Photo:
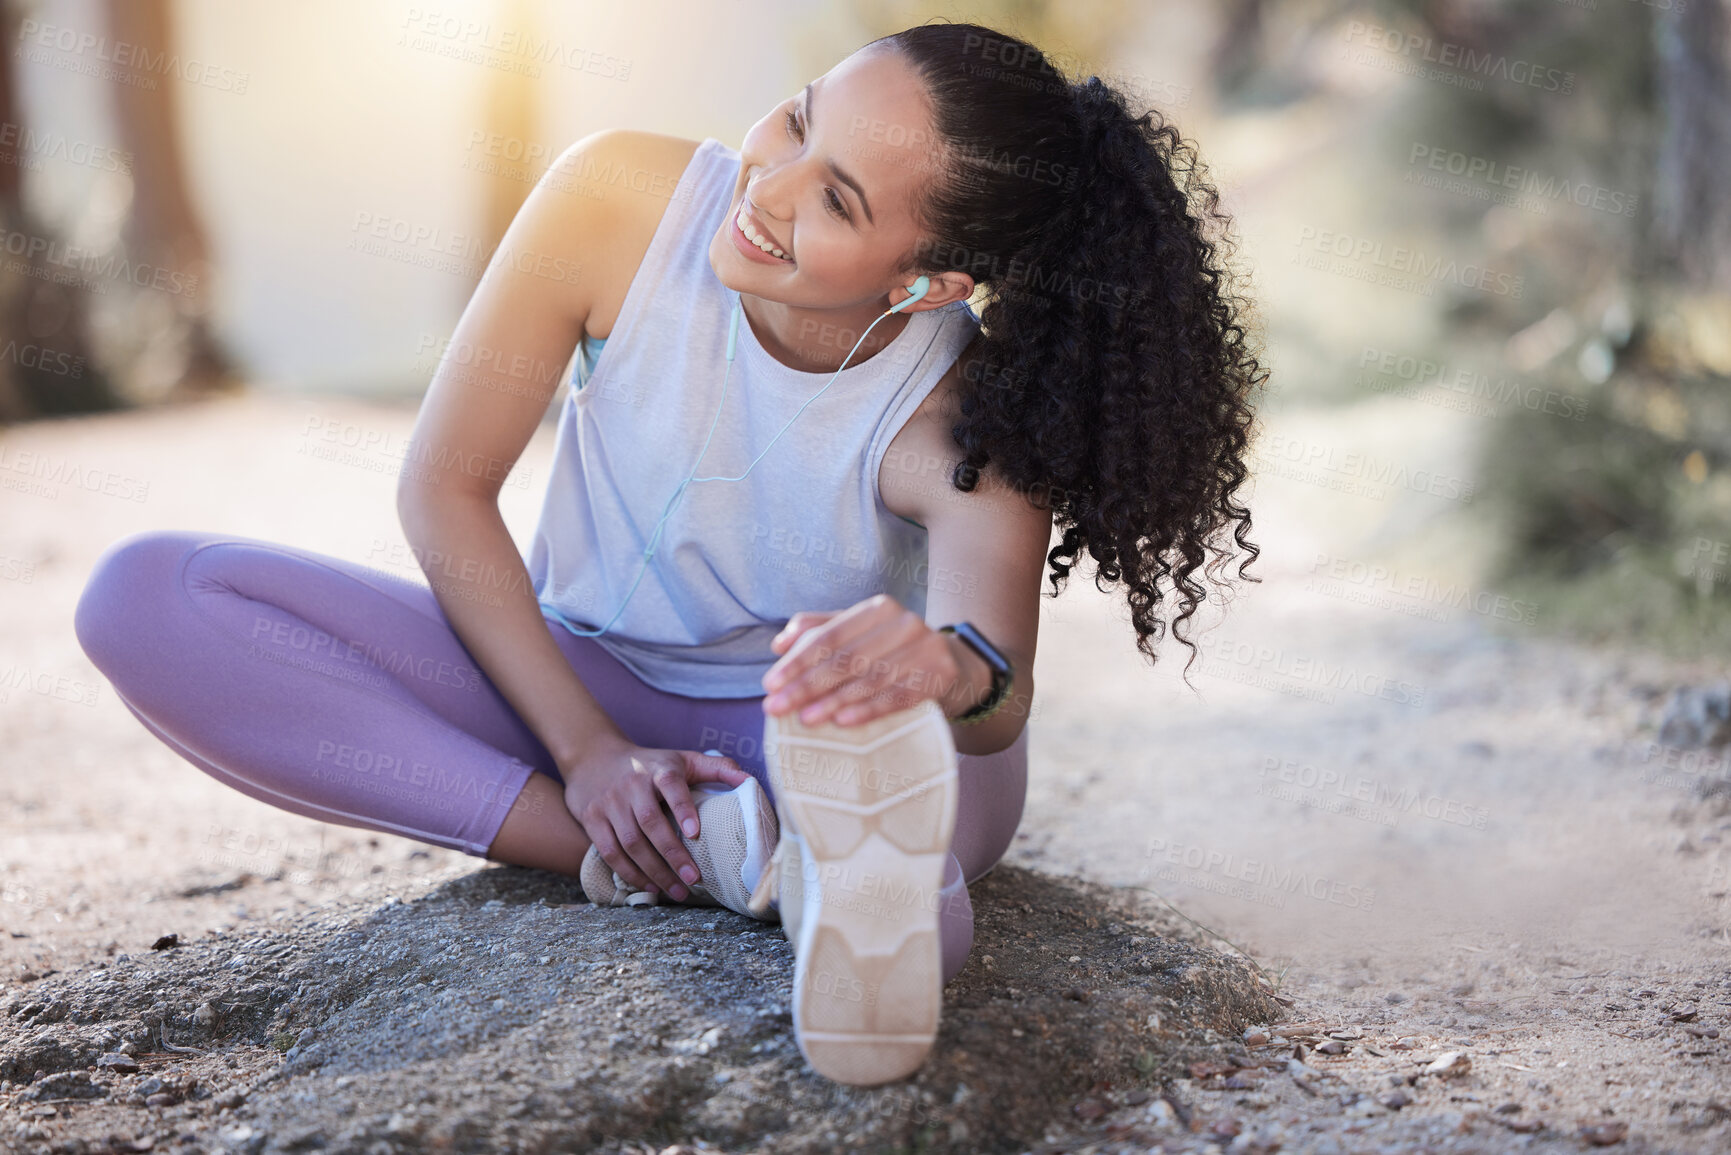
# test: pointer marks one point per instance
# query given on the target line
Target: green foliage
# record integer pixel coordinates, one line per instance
(1576, 493)
(1619, 524)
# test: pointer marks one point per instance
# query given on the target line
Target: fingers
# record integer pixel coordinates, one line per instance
(639, 863)
(798, 625)
(814, 656)
(607, 846)
(654, 844)
(870, 697)
(670, 781)
(883, 689)
(822, 633)
(713, 768)
(640, 839)
(860, 660)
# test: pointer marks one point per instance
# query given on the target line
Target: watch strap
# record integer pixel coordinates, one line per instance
(1003, 674)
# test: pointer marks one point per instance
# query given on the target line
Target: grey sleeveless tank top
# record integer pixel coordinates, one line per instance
(805, 530)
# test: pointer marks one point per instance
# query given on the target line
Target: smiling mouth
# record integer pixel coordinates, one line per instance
(762, 242)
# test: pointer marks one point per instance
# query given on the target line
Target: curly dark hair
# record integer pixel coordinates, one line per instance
(1112, 377)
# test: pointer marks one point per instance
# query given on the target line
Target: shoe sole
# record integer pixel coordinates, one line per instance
(868, 983)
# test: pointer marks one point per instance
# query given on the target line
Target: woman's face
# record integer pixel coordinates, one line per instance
(829, 176)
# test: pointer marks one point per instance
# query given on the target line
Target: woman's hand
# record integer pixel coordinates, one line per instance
(616, 793)
(850, 666)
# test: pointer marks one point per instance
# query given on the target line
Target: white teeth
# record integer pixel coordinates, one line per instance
(755, 237)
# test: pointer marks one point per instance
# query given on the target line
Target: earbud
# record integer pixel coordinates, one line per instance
(919, 289)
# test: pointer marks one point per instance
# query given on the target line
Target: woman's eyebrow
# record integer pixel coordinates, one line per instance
(850, 182)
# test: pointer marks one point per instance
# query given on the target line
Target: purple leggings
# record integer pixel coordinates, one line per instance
(339, 692)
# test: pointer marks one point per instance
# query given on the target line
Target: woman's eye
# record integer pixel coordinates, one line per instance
(831, 201)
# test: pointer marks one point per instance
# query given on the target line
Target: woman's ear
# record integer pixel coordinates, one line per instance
(945, 288)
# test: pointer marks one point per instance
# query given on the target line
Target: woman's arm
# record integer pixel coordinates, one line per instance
(986, 557)
(487, 397)
(877, 656)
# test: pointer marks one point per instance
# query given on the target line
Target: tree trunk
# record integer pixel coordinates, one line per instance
(1692, 184)
(45, 361)
(179, 359)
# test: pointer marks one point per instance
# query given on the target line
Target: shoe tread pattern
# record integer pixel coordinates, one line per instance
(873, 809)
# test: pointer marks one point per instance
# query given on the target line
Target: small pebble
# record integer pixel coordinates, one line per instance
(1605, 1134)
(1450, 1064)
(1255, 1038)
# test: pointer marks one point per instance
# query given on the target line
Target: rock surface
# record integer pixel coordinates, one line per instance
(432, 1021)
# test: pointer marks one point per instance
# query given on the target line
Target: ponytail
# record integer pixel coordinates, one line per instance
(1113, 380)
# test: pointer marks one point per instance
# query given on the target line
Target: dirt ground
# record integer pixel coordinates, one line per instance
(1493, 908)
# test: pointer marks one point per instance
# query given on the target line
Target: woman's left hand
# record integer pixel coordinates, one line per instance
(850, 666)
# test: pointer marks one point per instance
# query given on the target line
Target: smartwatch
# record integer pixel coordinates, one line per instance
(1002, 675)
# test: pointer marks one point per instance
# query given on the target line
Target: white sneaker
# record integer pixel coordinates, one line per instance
(867, 813)
(737, 834)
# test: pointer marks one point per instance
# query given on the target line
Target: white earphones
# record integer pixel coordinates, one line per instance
(917, 291)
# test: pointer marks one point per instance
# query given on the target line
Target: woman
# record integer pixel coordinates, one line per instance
(725, 640)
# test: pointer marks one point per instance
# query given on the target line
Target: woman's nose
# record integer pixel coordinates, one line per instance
(770, 192)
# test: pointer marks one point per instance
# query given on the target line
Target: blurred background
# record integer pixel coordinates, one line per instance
(1490, 246)
(1496, 226)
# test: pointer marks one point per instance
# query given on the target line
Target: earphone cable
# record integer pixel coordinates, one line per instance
(667, 511)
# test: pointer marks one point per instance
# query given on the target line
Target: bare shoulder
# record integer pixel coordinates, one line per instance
(914, 476)
(986, 548)
(626, 178)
